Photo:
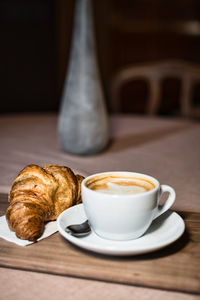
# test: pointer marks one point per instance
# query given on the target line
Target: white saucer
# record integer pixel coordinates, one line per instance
(164, 230)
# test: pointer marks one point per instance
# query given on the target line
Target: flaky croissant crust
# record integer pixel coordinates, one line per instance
(38, 195)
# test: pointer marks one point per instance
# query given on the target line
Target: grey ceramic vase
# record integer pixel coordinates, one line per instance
(83, 120)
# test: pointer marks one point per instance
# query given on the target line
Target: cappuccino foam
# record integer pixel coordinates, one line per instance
(120, 185)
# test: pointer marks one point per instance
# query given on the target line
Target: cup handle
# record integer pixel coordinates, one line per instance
(168, 203)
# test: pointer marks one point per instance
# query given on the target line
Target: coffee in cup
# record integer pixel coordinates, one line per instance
(122, 205)
(114, 184)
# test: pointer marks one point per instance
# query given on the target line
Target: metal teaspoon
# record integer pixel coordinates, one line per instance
(79, 230)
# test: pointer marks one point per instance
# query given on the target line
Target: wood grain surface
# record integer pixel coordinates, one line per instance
(176, 267)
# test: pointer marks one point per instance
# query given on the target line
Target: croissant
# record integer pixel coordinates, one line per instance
(38, 195)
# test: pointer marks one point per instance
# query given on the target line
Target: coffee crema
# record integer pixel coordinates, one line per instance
(120, 185)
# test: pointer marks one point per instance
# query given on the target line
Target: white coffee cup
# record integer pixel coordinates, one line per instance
(122, 205)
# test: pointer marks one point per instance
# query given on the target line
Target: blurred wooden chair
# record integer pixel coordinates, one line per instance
(154, 74)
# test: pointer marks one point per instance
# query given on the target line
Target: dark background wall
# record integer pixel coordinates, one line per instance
(35, 42)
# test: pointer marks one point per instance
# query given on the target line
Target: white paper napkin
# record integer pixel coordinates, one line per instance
(10, 236)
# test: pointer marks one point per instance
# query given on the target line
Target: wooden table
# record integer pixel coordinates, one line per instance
(166, 149)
